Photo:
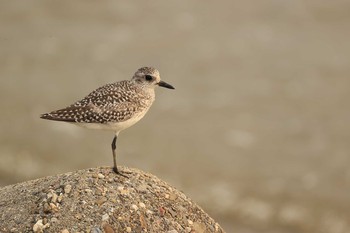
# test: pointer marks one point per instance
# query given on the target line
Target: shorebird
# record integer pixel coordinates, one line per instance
(114, 106)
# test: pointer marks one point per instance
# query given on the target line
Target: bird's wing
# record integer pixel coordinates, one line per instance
(105, 104)
(70, 114)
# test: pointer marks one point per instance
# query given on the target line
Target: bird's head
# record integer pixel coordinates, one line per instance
(149, 77)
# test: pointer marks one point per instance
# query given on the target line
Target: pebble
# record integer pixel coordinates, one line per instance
(101, 201)
(78, 216)
(199, 227)
(161, 211)
(122, 190)
(216, 226)
(142, 188)
(134, 207)
(54, 198)
(142, 205)
(49, 195)
(96, 230)
(100, 176)
(67, 188)
(189, 222)
(172, 213)
(39, 227)
(98, 192)
(54, 220)
(167, 196)
(105, 217)
(149, 212)
(172, 196)
(46, 208)
(59, 199)
(65, 231)
(188, 229)
(128, 229)
(143, 222)
(172, 231)
(53, 207)
(108, 228)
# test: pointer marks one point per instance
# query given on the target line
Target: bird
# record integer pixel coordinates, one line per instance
(113, 107)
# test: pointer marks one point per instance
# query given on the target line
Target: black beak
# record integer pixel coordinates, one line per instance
(164, 84)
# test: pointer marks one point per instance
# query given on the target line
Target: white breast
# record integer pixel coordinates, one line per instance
(115, 126)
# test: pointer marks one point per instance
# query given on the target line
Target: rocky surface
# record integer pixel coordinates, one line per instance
(96, 200)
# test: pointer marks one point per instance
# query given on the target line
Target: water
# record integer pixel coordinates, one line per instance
(256, 131)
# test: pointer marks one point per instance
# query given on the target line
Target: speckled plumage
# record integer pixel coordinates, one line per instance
(116, 102)
(114, 106)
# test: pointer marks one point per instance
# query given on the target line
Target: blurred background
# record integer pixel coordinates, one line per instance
(257, 131)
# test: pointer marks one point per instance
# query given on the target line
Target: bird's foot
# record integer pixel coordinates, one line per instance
(115, 169)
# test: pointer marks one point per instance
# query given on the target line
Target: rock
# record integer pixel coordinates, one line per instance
(78, 216)
(100, 176)
(46, 208)
(96, 230)
(53, 207)
(134, 207)
(54, 198)
(172, 231)
(199, 227)
(53, 220)
(39, 227)
(134, 204)
(108, 228)
(142, 205)
(142, 188)
(143, 222)
(105, 217)
(149, 212)
(101, 201)
(49, 195)
(88, 190)
(162, 211)
(172, 196)
(59, 199)
(67, 188)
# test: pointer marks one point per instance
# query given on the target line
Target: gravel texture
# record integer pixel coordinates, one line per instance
(97, 200)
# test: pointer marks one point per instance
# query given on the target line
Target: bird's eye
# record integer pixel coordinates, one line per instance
(148, 77)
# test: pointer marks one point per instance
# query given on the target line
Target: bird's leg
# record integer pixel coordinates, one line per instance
(114, 146)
